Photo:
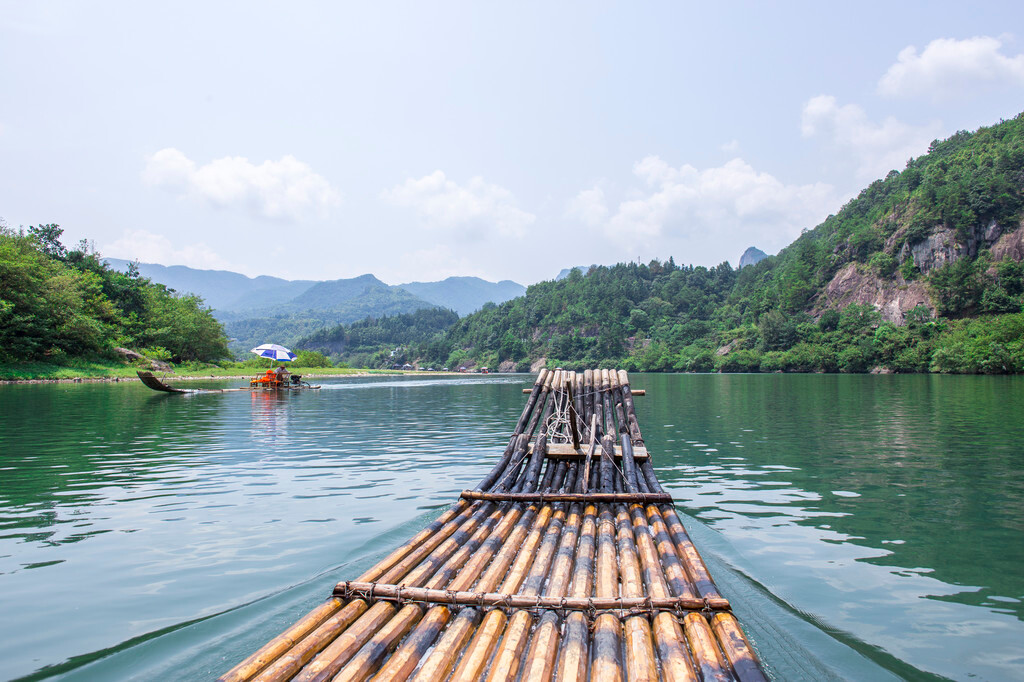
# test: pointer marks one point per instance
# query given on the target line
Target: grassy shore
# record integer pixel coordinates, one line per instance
(90, 370)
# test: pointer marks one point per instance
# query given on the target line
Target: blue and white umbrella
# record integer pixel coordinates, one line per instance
(274, 352)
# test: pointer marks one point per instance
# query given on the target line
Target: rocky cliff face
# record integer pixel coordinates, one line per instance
(751, 256)
(892, 298)
(945, 246)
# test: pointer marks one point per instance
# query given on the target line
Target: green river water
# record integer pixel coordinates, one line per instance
(864, 527)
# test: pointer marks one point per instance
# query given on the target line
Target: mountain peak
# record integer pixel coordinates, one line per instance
(751, 256)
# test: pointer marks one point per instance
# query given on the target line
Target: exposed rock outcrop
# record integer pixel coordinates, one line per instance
(751, 256)
(945, 246)
(1010, 245)
(892, 298)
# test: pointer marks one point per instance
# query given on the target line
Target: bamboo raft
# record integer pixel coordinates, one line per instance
(568, 561)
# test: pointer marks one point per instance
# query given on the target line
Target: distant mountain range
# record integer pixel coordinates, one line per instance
(255, 310)
(226, 291)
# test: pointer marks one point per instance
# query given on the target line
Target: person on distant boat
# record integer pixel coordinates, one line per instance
(282, 373)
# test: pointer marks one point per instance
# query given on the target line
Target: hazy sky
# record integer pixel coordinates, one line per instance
(504, 140)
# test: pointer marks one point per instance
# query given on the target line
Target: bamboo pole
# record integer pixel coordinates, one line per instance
(679, 582)
(706, 654)
(689, 556)
(372, 653)
(439, 663)
(640, 657)
(444, 656)
(676, 663)
(737, 649)
(349, 642)
(509, 654)
(289, 659)
(540, 659)
(535, 393)
(607, 630)
(627, 403)
(271, 651)
(559, 553)
(574, 658)
(481, 647)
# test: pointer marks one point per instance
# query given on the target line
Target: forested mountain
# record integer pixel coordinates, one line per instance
(921, 271)
(465, 294)
(58, 303)
(261, 309)
(288, 323)
(379, 341)
(220, 289)
(226, 291)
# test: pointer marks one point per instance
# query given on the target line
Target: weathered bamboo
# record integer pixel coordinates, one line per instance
(689, 556)
(478, 654)
(737, 649)
(542, 497)
(705, 650)
(639, 392)
(607, 628)
(508, 657)
(369, 657)
(318, 617)
(574, 658)
(331, 660)
(640, 657)
(551, 568)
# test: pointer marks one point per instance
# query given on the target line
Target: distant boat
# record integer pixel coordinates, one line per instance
(264, 382)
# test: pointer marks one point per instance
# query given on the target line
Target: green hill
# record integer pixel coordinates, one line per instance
(59, 304)
(379, 341)
(921, 271)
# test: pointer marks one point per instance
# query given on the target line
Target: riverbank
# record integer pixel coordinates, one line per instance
(84, 371)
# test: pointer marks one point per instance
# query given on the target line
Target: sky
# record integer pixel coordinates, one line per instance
(417, 141)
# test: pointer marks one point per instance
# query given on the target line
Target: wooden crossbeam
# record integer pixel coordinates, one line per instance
(639, 391)
(541, 498)
(400, 593)
(567, 451)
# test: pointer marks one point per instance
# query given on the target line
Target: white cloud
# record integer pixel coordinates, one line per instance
(730, 147)
(950, 68)
(474, 210)
(876, 147)
(710, 214)
(286, 190)
(148, 247)
(589, 207)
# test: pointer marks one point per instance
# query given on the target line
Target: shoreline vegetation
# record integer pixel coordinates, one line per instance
(97, 372)
(922, 272)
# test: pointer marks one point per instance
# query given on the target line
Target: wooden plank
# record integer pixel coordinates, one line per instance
(567, 451)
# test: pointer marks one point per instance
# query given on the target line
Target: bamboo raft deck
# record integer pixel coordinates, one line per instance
(568, 562)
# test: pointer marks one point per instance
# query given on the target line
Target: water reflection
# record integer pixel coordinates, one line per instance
(887, 507)
(886, 511)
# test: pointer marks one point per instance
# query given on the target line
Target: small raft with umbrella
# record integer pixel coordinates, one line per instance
(567, 562)
(271, 380)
